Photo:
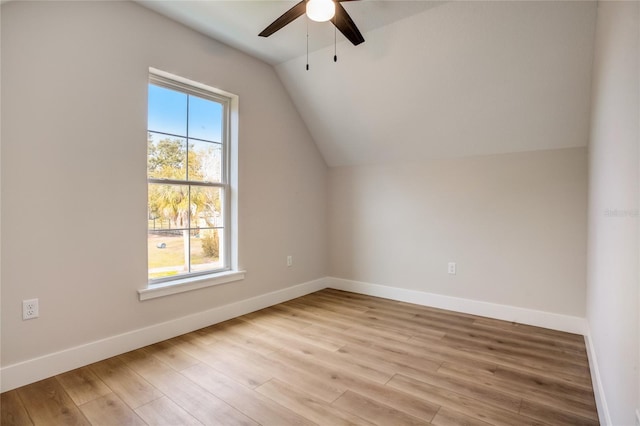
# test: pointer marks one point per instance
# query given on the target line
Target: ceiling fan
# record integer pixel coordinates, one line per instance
(321, 11)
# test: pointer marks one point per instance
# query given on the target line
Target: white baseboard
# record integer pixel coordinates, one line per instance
(29, 371)
(549, 320)
(598, 389)
(23, 373)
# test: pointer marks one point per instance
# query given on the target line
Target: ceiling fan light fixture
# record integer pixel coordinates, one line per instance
(321, 10)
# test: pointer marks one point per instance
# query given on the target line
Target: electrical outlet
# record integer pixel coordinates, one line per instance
(30, 309)
(289, 260)
(451, 268)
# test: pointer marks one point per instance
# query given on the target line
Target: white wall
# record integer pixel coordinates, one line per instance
(74, 172)
(514, 223)
(613, 280)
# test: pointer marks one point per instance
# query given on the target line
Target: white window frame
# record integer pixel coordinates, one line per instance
(229, 183)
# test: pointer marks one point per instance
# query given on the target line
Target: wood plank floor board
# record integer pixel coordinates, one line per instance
(197, 401)
(480, 390)
(204, 336)
(471, 333)
(578, 390)
(371, 318)
(234, 325)
(167, 352)
(268, 317)
(82, 385)
(530, 329)
(445, 348)
(466, 326)
(358, 336)
(533, 387)
(163, 411)
(374, 411)
(559, 358)
(12, 410)
(47, 403)
(304, 336)
(390, 363)
(386, 305)
(389, 333)
(337, 304)
(227, 357)
(328, 358)
(447, 417)
(306, 380)
(253, 404)
(318, 306)
(554, 416)
(239, 336)
(362, 322)
(314, 410)
(550, 337)
(344, 380)
(586, 410)
(109, 410)
(311, 384)
(460, 403)
(359, 325)
(424, 319)
(516, 357)
(541, 340)
(399, 401)
(412, 352)
(303, 359)
(316, 334)
(124, 382)
(314, 315)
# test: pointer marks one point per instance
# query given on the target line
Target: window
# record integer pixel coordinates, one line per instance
(188, 178)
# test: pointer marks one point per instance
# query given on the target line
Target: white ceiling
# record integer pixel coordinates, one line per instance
(432, 80)
(238, 22)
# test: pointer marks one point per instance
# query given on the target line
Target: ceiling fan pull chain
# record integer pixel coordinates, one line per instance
(335, 54)
(307, 43)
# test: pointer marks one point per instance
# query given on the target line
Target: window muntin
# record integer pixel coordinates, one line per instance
(188, 181)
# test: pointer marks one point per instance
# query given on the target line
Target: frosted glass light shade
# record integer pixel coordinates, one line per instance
(321, 10)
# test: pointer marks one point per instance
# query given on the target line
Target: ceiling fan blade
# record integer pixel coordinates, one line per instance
(345, 24)
(289, 16)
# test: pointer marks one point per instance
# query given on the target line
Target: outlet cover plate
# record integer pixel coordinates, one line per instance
(30, 309)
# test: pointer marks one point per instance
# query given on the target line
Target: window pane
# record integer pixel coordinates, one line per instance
(166, 157)
(206, 207)
(186, 172)
(205, 161)
(205, 119)
(167, 111)
(205, 250)
(168, 255)
(168, 206)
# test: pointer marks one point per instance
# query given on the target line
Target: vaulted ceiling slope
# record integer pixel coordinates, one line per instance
(433, 79)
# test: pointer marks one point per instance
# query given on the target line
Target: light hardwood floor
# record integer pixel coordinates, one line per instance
(328, 358)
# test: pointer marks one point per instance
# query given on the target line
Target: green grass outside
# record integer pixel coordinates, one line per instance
(173, 254)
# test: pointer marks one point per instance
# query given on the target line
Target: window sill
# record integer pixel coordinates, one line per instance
(188, 284)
